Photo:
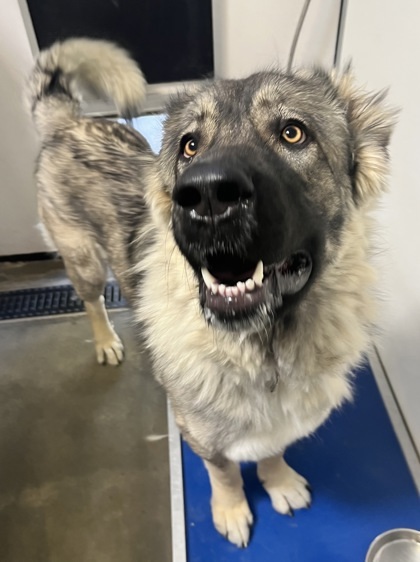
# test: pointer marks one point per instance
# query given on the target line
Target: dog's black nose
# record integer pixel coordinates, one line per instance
(211, 190)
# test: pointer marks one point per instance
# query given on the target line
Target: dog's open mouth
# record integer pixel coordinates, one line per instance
(233, 285)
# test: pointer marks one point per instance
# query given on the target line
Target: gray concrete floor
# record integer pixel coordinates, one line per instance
(84, 472)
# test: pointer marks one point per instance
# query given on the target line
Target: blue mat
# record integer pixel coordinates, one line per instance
(361, 483)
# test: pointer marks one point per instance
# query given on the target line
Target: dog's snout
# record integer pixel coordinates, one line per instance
(211, 191)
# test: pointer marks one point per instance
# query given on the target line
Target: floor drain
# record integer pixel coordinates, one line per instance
(48, 301)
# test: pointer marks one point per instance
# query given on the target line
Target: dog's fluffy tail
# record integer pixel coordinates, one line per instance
(67, 69)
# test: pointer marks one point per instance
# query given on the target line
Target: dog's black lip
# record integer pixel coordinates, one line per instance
(284, 278)
(301, 265)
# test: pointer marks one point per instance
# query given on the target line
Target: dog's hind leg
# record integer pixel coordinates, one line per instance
(287, 489)
(109, 347)
(86, 268)
(231, 514)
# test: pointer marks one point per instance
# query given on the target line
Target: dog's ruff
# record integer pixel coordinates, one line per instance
(275, 174)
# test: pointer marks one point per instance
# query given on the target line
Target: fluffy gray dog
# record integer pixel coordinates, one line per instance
(243, 247)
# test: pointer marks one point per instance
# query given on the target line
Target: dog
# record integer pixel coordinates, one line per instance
(244, 247)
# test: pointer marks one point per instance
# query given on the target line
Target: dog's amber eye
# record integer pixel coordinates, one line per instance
(293, 134)
(189, 147)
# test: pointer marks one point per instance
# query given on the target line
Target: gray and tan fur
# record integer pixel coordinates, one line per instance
(90, 207)
(244, 381)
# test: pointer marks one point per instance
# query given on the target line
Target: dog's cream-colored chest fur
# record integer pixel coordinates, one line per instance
(234, 394)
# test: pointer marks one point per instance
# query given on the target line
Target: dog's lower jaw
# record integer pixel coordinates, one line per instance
(254, 319)
(254, 305)
(257, 320)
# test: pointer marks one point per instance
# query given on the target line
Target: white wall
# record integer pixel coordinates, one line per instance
(18, 215)
(382, 39)
(252, 35)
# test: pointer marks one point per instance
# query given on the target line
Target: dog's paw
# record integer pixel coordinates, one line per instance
(109, 350)
(233, 522)
(287, 489)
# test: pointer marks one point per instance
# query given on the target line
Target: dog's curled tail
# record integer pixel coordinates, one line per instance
(67, 69)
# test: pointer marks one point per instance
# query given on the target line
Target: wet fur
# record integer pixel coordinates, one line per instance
(237, 395)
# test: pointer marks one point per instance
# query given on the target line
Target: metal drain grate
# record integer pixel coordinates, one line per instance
(48, 301)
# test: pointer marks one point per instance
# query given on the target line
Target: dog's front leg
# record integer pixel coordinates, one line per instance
(231, 514)
(287, 489)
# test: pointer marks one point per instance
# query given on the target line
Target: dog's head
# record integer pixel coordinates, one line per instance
(259, 177)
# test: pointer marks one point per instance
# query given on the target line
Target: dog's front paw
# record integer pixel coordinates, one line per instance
(287, 489)
(109, 350)
(233, 522)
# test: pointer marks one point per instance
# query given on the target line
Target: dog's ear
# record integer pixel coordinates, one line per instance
(371, 122)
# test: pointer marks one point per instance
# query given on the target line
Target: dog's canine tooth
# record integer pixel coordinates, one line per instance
(209, 280)
(258, 274)
(250, 284)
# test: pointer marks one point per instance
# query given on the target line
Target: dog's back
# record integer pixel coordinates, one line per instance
(89, 170)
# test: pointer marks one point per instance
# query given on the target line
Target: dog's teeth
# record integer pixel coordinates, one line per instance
(241, 287)
(235, 291)
(214, 288)
(250, 284)
(258, 274)
(209, 280)
(222, 289)
(229, 291)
